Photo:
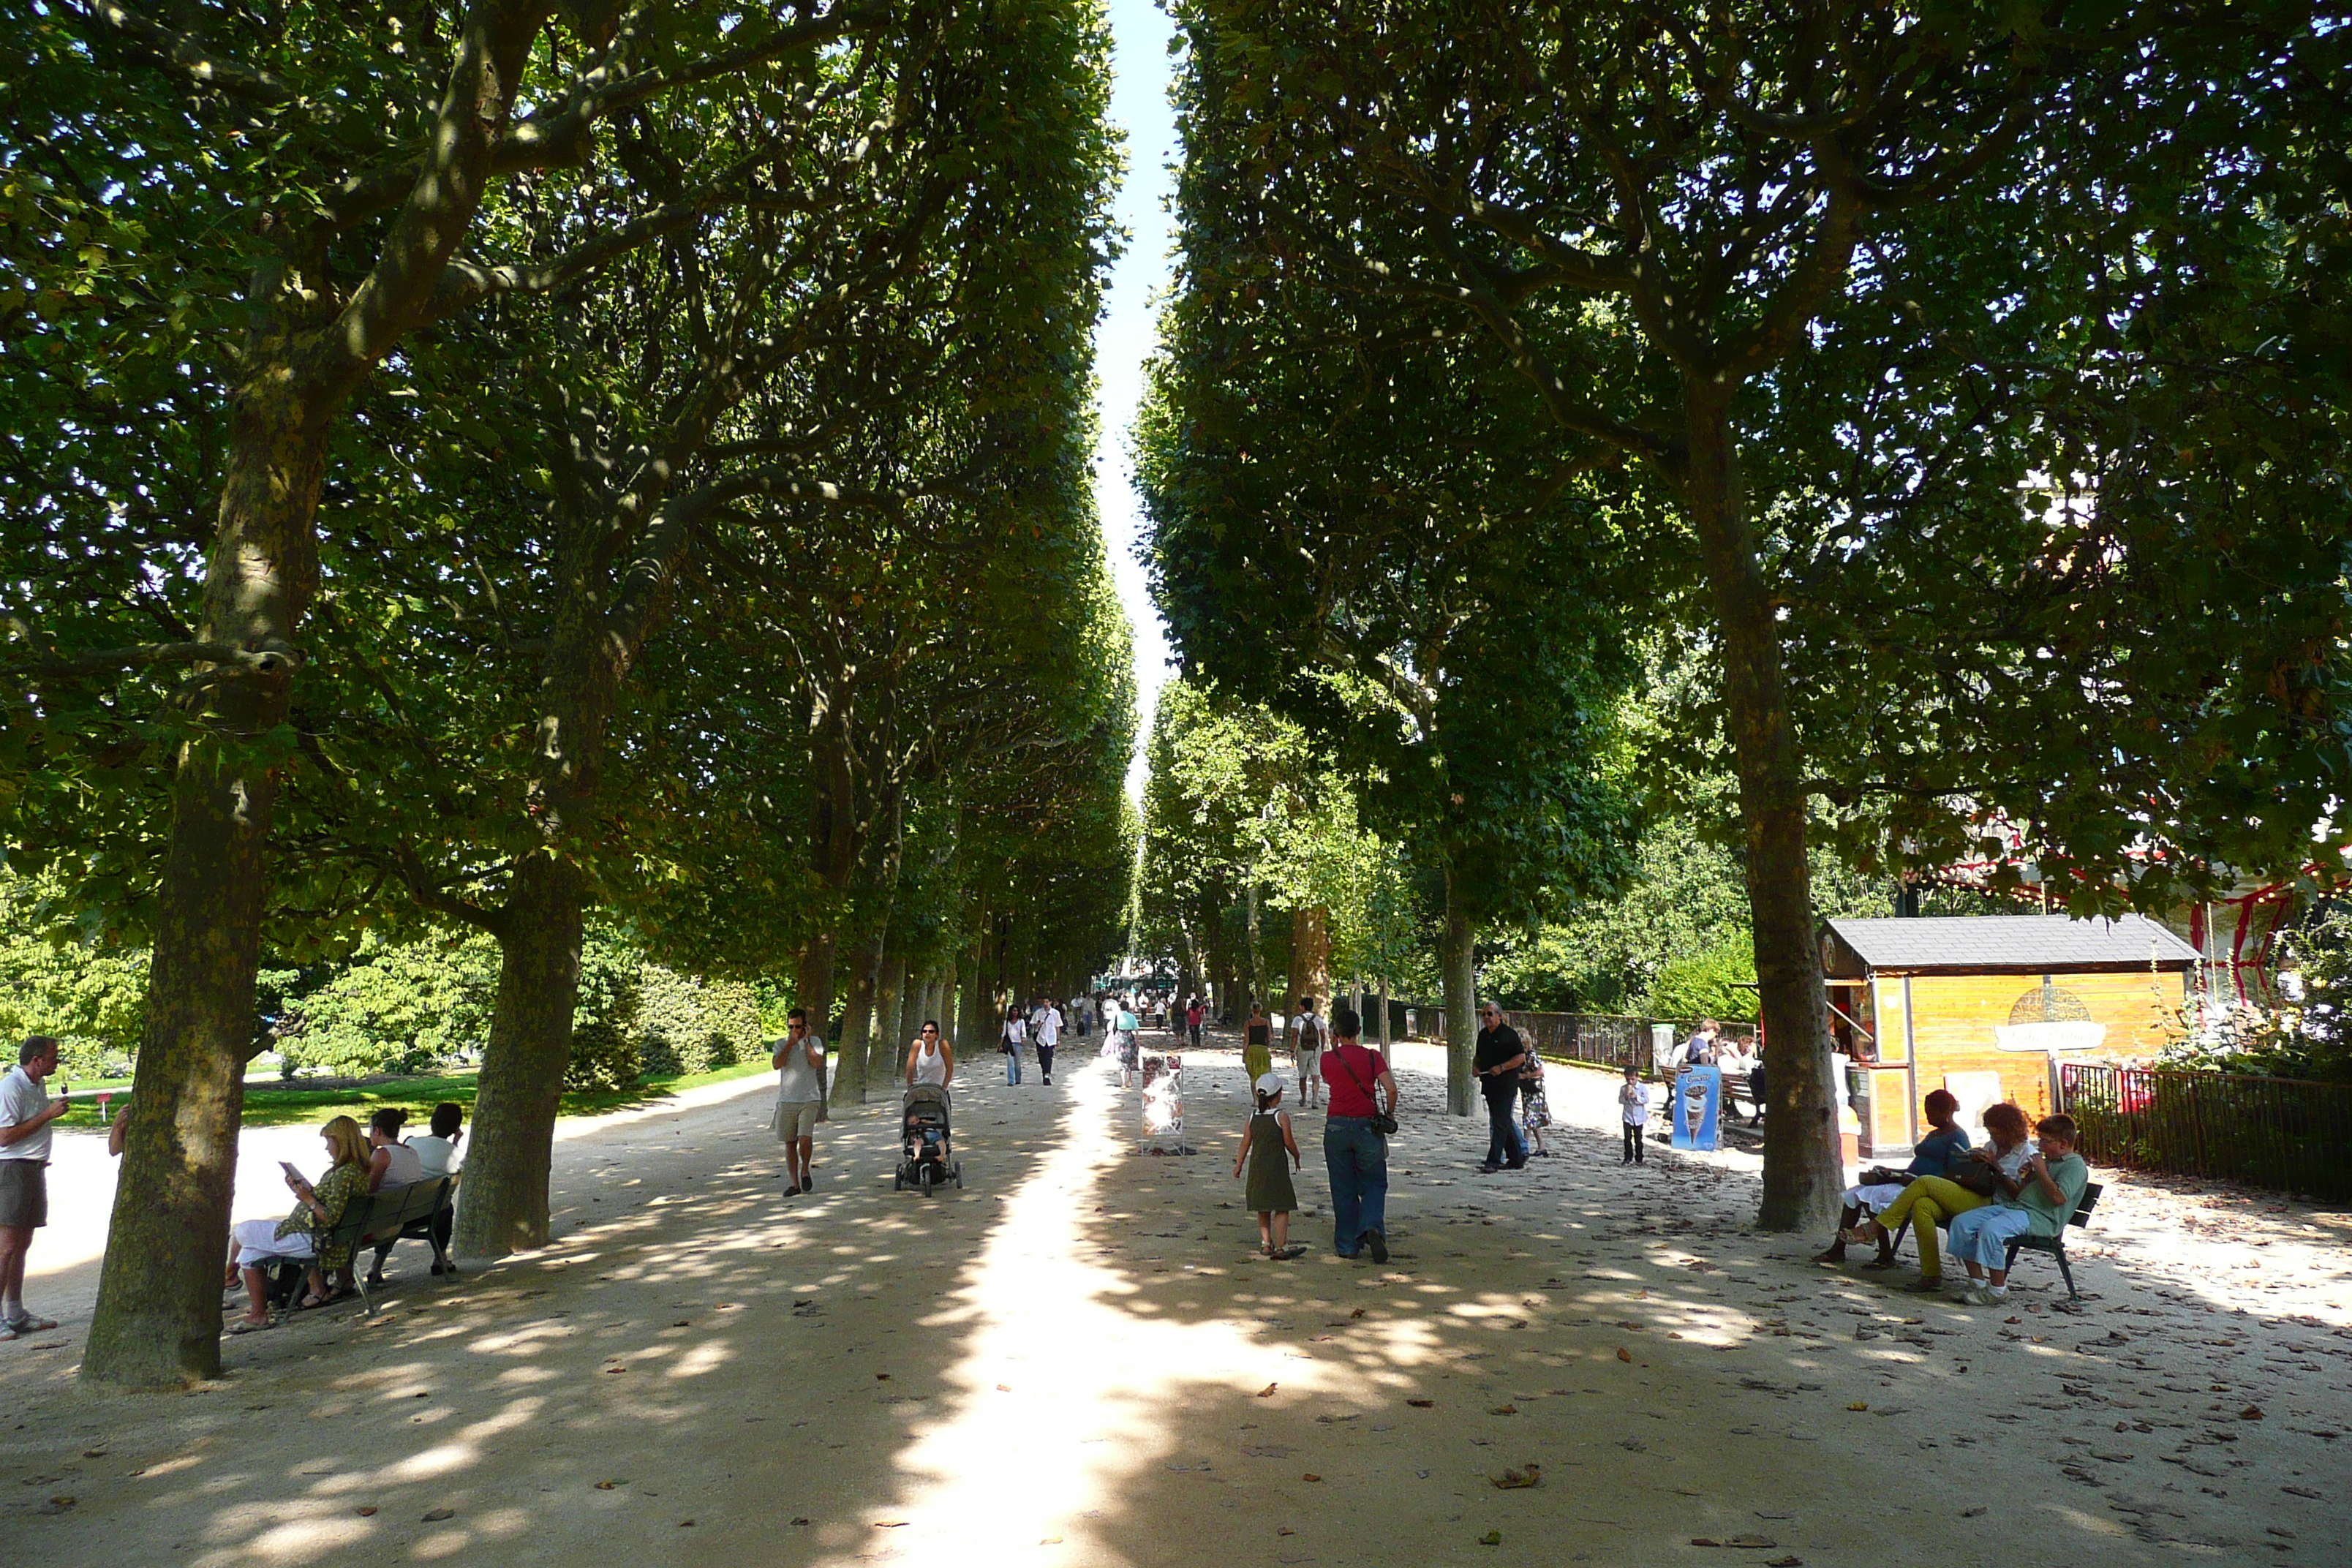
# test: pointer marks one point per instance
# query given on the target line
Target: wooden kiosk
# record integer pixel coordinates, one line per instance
(1984, 1004)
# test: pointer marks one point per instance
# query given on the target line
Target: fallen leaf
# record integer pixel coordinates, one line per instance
(1859, 1405)
(1049, 1540)
(801, 1519)
(367, 1511)
(1313, 1477)
(890, 1524)
(1705, 1541)
(93, 1453)
(881, 1377)
(1503, 1410)
(2251, 1413)
(1971, 1512)
(1284, 1530)
(1492, 1538)
(1004, 1388)
(1357, 1313)
(606, 1486)
(611, 1369)
(438, 1515)
(1513, 1480)
(1785, 1562)
(1420, 1404)
(686, 1524)
(2300, 1491)
(1752, 1543)
(1624, 1355)
(1267, 1392)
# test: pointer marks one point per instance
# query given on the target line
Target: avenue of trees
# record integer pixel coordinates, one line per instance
(501, 472)
(1957, 390)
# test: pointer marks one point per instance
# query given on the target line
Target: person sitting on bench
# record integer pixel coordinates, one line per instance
(1936, 1154)
(2054, 1178)
(1986, 1174)
(258, 1243)
(434, 1156)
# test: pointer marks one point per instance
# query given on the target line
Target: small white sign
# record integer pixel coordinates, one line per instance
(2046, 1038)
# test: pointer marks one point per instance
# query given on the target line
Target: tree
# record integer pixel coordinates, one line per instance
(1667, 218)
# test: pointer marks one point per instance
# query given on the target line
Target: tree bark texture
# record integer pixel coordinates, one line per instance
(814, 984)
(1802, 1170)
(1459, 961)
(1310, 959)
(857, 1025)
(891, 983)
(503, 1205)
(1257, 996)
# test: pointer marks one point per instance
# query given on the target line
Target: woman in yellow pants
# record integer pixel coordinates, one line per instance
(1931, 1201)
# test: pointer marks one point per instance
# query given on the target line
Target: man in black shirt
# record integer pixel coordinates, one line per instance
(1500, 1056)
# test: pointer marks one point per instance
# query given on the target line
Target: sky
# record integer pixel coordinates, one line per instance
(1139, 36)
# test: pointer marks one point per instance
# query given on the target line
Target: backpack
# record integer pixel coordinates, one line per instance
(1310, 1036)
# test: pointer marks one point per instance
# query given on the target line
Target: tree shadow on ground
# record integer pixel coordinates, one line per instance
(1076, 1359)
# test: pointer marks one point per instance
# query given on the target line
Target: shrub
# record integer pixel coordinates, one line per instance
(603, 1060)
(396, 1008)
(1707, 984)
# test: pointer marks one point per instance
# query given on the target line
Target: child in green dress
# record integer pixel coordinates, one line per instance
(1264, 1142)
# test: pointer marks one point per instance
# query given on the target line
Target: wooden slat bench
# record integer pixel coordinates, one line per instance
(395, 1213)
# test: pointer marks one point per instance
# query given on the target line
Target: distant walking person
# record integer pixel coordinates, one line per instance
(1046, 1030)
(1257, 1044)
(25, 1112)
(1496, 1066)
(1194, 1016)
(1307, 1044)
(1355, 1151)
(1016, 1035)
(799, 1061)
(1633, 1108)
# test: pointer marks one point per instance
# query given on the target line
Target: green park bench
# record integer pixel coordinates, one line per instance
(2056, 1246)
(393, 1213)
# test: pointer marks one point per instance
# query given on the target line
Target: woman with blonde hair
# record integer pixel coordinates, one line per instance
(258, 1243)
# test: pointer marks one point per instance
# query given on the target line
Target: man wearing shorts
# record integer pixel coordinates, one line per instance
(1307, 1044)
(25, 1112)
(799, 1059)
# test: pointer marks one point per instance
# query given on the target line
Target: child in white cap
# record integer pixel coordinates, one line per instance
(1264, 1142)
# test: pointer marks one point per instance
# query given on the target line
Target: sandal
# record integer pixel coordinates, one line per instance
(247, 1326)
(29, 1324)
(310, 1303)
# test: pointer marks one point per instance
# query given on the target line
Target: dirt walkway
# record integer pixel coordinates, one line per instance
(1076, 1360)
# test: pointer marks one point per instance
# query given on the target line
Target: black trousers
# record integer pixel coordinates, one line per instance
(1632, 1143)
(1504, 1146)
(1045, 1063)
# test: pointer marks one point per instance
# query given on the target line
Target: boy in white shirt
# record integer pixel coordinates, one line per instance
(1633, 1100)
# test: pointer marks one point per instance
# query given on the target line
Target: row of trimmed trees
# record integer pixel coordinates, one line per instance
(1955, 391)
(473, 467)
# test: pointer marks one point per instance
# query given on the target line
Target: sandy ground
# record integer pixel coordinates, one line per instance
(1076, 1360)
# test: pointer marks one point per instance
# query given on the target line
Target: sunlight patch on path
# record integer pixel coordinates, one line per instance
(1063, 1390)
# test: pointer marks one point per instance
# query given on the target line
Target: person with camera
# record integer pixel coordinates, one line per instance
(1362, 1113)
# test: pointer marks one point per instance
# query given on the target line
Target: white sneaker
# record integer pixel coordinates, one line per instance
(1983, 1296)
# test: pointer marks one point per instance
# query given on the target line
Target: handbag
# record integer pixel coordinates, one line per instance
(1982, 1180)
(1382, 1122)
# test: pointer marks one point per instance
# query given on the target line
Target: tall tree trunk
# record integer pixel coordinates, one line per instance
(889, 1005)
(946, 1007)
(157, 1322)
(1380, 1000)
(857, 1021)
(1257, 996)
(503, 1206)
(1459, 960)
(1802, 1170)
(814, 984)
(1310, 958)
(969, 1009)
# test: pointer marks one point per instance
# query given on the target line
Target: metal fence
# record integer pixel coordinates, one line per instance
(2288, 1134)
(1603, 1039)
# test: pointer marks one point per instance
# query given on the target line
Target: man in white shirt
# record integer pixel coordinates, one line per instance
(1045, 1030)
(1307, 1043)
(799, 1061)
(25, 1112)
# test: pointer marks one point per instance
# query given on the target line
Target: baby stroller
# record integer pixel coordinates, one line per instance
(928, 1159)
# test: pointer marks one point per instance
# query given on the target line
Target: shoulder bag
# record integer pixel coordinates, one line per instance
(1382, 1122)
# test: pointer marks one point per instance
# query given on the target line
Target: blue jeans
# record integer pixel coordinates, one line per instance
(1502, 1145)
(1012, 1066)
(1982, 1236)
(1358, 1160)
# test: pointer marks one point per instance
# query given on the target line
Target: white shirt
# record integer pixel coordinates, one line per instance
(930, 1064)
(404, 1167)
(796, 1081)
(436, 1156)
(1049, 1026)
(1636, 1099)
(1016, 1030)
(21, 1099)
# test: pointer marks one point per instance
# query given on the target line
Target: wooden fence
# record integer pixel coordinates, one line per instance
(2288, 1133)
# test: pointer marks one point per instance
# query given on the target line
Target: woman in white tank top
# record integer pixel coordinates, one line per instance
(929, 1059)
